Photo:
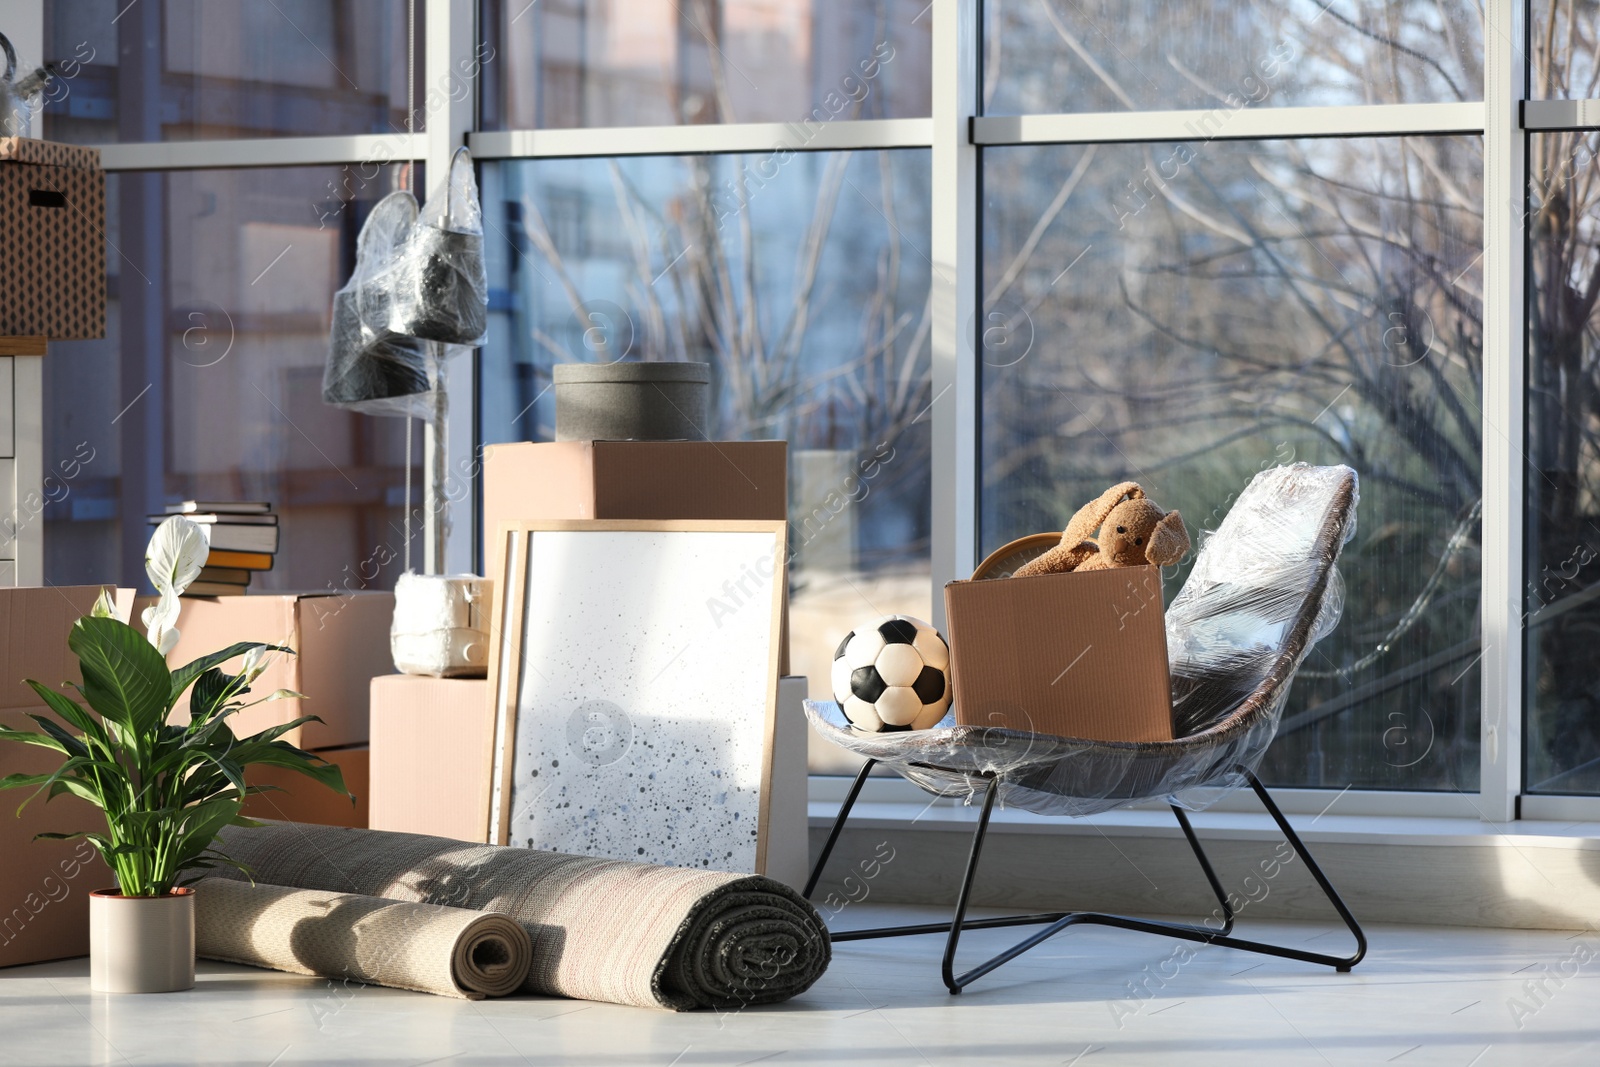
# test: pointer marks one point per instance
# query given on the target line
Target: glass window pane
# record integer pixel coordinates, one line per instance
(184, 70)
(574, 63)
(1562, 689)
(1155, 55)
(807, 292)
(1566, 44)
(1185, 316)
(208, 384)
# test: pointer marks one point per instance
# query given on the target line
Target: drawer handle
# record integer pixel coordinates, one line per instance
(46, 198)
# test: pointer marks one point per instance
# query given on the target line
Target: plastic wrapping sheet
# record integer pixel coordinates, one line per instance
(1263, 590)
(441, 625)
(438, 283)
(371, 368)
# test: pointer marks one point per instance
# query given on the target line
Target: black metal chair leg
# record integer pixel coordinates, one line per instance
(948, 968)
(1340, 964)
(1055, 922)
(838, 825)
(1205, 865)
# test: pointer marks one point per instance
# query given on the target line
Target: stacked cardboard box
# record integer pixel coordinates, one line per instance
(44, 885)
(342, 643)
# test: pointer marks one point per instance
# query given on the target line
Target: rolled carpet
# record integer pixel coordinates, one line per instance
(627, 933)
(453, 952)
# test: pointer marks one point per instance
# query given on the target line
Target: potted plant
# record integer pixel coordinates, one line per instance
(166, 789)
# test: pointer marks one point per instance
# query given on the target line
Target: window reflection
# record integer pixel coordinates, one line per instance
(208, 384)
(1563, 475)
(1154, 55)
(1185, 315)
(804, 284)
(575, 63)
(184, 70)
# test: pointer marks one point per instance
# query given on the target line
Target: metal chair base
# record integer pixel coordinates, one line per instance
(1055, 922)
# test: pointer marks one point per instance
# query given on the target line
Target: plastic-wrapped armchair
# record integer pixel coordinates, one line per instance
(1264, 588)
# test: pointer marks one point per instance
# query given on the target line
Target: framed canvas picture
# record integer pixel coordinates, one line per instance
(635, 685)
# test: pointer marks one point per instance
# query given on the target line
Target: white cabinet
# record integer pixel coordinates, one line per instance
(21, 462)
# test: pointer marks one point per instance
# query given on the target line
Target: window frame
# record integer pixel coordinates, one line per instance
(957, 134)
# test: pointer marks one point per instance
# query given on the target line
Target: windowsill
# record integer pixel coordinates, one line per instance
(1428, 831)
(1349, 817)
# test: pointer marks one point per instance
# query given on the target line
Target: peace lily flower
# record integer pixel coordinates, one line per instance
(177, 551)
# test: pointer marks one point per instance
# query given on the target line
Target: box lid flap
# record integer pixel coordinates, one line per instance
(48, 153)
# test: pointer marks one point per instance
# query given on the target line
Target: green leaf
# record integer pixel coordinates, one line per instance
(19, 781)
(69, 710)
(186, 675)
(72, 746)
(124, 679)
(28, 737)
(212, 690)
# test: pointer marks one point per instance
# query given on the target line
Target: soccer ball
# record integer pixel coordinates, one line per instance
(893, 675)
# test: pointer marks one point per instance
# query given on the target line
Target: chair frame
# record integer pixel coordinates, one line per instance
(1055, 922)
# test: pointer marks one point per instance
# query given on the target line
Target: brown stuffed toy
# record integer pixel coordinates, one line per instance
(1133, 533)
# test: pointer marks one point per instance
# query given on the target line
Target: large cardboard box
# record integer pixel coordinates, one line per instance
(631, 480)
(1073, 655)
(634, 480)
(53, 215)
(44, 885)
(431, 742)
(35, 622)
(305, 800)
(341, 641)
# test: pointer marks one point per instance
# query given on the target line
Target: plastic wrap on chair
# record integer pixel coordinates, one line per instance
(1263, 590)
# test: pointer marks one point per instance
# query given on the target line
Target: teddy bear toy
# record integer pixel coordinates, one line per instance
(1133, 533)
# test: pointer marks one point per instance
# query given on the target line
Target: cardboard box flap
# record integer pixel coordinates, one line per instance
(48, 153)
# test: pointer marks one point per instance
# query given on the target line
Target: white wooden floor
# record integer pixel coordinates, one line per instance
(1424, 995)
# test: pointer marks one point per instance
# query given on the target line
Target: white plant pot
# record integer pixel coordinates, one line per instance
(141, 944)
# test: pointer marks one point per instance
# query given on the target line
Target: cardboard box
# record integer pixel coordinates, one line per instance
(1073, 655)
(634, 480)
(431, 742)
(35, 622)
(342, 643)
(44, 885)
(631, 480)
(53, 213)
(306, 800)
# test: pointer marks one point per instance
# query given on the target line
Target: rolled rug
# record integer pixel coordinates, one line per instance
(453, 952)
(626, 933)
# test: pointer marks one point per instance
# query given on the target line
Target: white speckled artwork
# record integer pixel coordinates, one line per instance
(645, 678)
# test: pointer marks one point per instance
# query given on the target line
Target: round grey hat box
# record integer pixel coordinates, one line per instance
(632, 401)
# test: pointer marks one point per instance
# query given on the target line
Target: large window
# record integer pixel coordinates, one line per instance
(1253, 303)
(1028, 247)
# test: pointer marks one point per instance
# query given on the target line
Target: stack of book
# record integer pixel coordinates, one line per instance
(243, 538)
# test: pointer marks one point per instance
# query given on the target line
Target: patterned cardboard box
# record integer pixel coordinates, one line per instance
(53, 213)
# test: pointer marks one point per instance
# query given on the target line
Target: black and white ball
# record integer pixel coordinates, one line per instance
(893, 675)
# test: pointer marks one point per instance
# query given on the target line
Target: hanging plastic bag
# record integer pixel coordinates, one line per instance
(371, 368)
(440, 285)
